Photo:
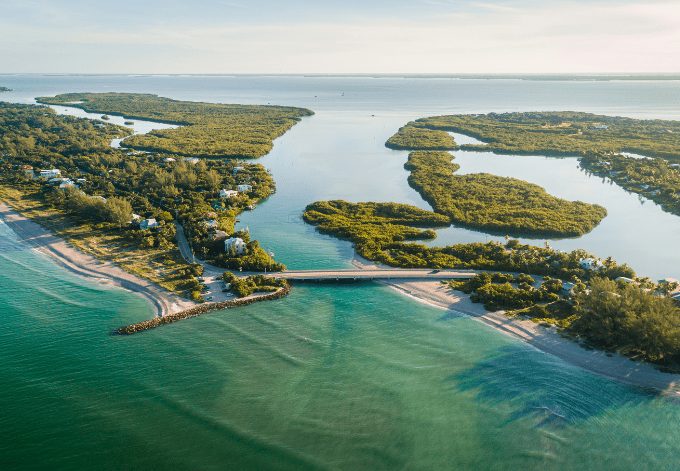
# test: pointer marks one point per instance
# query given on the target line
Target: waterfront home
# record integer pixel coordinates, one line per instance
(567, 287)
(590, 264)
(28, 171)
(50, 173)
(218, 235)
(237, 170)
(148, 224)
(81, 180)
(244, 188)
(169, 160)
(235, 245)
(224, 193)
(192, 160)
(66, 184)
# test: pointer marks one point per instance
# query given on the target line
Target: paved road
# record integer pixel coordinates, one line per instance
(375, 274)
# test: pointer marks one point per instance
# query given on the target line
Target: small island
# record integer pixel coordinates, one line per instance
(5, 89)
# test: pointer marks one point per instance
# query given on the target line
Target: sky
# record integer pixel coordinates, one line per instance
(339, 36)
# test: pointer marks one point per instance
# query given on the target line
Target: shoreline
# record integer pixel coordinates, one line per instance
(546, 339)
(87, 266)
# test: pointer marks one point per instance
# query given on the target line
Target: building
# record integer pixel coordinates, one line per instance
(244, 188)
(28, 171)
(169, 160)
(211, 224)
(235, 245)
(228, 193)
(625, 279)
(567, 287)
(218, 235)
(237, 170)
(148, 224)
(599, 127)
(51, 173)
(192, 160)
(590, 264)
(66, 184)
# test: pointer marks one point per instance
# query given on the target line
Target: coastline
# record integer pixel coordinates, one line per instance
(546, 339)
(105, 273)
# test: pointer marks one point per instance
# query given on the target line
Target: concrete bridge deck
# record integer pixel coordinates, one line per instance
(374, 274)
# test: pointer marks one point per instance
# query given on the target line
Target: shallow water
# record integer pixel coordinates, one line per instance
(352, 376)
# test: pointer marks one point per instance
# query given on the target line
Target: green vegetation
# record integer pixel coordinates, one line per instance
(630, 319)
(99, 188)
(561, 133)
(380, 232)
(245, 286)
(412, 137)
(506, 291)
(498, 204)
(208, 129)
(655, 179)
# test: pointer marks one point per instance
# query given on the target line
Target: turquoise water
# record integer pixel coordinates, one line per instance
(348, 377)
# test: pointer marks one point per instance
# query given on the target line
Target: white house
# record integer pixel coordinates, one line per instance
(600, 127)
(51, 173)
(192, 160)
(237, 170)
(235, 245)
(590, 264)
(148, 224)
(228, 193)
(244, 188)
(169, 160)
(67, 184)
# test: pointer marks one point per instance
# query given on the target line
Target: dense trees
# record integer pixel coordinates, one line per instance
(655, 179)
(629, 319)
(208, 129)
(561, 133)
(498, 204)
(420, 138)
(248, 285)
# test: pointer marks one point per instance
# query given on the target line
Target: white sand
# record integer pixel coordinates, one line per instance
(89, 267)
(546, 339)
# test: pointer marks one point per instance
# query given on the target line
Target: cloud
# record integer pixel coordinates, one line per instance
(519, 37)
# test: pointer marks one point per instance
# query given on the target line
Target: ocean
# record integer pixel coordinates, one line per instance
(333, 377)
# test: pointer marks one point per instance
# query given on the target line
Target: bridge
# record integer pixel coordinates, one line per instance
(374, 274)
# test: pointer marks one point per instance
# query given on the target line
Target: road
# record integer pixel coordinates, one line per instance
(374, 274)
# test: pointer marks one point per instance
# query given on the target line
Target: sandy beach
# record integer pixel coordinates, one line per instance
(87, 266)
(545, 339)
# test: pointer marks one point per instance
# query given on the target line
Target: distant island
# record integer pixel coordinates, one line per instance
(5, 89)
(206, 129)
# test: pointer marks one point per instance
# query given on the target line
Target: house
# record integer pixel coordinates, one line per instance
(218, 235)
(51, 173)
(676, 297)
(169, 160)
(56, 180)
(590, 264)
(599, 127)
(235, 245)
(81, 180)
(210, 224)
(244, 188)
(567, 287)
(135, 218)
(100, 198)
(237, 170)
(66, 184)
(625, 280)
(148, 224)
(228, 193)
(192, 160)
(28, 171)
